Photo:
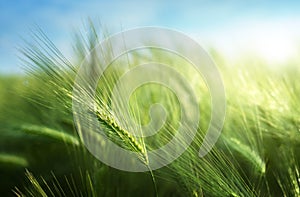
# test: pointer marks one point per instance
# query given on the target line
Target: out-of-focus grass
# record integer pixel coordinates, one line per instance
(257, 154)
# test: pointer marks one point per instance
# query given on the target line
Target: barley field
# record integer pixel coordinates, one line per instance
(42, 153)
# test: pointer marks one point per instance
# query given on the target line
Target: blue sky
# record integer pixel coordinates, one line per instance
(227, 25)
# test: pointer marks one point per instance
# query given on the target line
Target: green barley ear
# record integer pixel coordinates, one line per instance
(247, 153)
(114, 127)
(15, 160)
(51, 133)
(124, 139)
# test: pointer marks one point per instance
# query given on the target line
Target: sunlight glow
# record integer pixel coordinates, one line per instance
(273, 41)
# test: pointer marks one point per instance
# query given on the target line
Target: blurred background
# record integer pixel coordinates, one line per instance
(267, 29)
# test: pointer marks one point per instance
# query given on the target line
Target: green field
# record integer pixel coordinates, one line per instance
(41, 154)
